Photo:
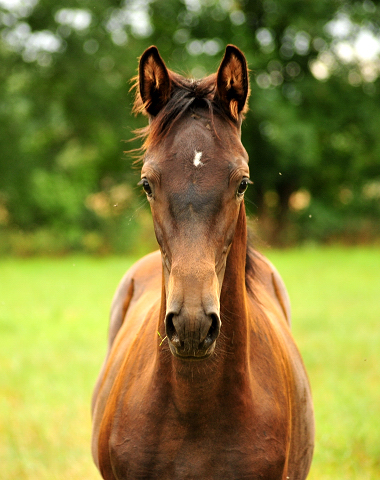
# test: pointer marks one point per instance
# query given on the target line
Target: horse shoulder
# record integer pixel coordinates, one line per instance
(142, 276)
(275, 307)
(142, 280)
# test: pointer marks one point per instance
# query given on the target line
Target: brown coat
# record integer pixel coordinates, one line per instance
(202, 379)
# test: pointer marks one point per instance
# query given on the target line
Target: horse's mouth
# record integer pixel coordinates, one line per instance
(194, 356)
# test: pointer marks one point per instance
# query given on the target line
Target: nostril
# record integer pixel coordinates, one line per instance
(214, 330)
(171, 332)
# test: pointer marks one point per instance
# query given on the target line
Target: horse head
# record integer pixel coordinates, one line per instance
(195, 172)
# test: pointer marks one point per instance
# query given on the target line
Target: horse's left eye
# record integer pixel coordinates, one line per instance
(243, 186)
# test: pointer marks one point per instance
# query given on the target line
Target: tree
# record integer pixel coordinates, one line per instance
(311, 131)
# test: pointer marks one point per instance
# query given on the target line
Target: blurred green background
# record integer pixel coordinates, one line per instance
(312, 131)
(67, 189)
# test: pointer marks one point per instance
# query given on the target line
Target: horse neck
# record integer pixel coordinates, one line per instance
(234, 277)
(233, 299)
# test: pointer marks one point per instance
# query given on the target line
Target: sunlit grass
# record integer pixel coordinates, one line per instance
(53, 326)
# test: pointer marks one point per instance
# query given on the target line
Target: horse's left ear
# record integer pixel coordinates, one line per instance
(154, 81)
(232, 81)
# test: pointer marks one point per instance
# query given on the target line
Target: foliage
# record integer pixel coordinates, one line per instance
(311, 132)
(51, 349)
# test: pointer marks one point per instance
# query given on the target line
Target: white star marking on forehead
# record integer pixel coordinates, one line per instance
(197, 159)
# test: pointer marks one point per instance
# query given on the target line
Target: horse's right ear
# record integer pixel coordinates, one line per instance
(154, 81)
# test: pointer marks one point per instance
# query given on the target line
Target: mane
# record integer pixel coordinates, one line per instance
(186, 94)
(251, 267)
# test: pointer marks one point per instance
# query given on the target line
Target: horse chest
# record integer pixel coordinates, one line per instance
(199, 460)
(166, 447)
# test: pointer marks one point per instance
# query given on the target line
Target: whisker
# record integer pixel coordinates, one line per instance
(247, 200)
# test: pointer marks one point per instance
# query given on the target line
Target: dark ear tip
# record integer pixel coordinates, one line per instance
(231, 47)
(150, 51)
(233, 50)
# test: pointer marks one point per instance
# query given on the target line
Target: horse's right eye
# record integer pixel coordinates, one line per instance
(145, 184)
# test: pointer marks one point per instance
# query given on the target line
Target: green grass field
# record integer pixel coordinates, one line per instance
(53, 327)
